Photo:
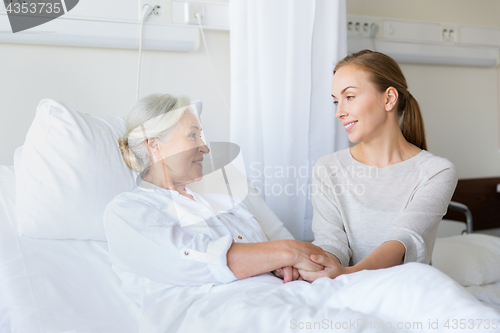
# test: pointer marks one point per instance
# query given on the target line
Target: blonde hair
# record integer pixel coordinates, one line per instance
(152, 117)
(384, 72)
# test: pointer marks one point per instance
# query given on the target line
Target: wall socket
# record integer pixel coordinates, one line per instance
(190, 10)
(450, 33)
(162, 12)
(361, 26)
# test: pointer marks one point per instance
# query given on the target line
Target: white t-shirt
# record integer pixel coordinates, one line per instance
(358, 207)
(159, 239)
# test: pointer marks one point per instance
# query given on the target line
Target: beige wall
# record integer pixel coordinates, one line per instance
(459, 104)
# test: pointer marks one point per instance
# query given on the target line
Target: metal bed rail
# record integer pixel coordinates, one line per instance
(456, 206)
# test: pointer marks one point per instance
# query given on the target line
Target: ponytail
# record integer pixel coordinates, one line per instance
(412, 124)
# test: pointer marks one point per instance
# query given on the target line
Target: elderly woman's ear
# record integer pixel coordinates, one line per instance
(154, 146)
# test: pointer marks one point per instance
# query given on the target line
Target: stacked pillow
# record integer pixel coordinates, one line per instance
(69, 168)
(471, 260)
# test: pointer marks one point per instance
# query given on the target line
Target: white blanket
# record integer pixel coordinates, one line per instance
(409, 298)
(489, 294)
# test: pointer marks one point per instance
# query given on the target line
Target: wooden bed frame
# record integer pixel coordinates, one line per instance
(481, 197)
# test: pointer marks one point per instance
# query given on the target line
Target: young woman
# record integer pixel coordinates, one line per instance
(379, 203)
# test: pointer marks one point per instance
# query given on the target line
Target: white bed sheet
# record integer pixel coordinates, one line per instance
(56, 285)
(488, 294)
(69, 286)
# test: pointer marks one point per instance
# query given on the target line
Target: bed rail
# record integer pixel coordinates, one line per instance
(456, 206)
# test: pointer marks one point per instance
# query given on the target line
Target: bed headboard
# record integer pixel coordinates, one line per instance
(482, 198)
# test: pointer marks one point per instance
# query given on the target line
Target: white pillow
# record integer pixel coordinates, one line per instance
(471, 260)
(68, 170)
(270, 223)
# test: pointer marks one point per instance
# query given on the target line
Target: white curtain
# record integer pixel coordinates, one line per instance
(282, 114)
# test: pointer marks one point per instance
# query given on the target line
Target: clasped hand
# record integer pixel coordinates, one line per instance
(310, 263)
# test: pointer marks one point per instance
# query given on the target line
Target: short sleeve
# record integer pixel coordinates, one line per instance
(416, 227)
(147, 242)
(327, 223)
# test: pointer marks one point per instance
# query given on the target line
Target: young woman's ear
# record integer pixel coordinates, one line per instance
(391, 98)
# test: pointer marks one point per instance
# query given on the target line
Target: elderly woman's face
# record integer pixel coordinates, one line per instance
(183, 150)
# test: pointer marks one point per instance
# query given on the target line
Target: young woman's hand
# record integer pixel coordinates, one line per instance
(332, 265)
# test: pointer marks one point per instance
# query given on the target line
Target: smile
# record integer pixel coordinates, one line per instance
(349, 126)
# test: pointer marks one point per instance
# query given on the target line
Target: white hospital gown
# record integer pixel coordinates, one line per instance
(159, 239)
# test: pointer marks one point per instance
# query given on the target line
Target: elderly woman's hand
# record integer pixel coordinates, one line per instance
(287, 274)
(300, 255)
(332, 269)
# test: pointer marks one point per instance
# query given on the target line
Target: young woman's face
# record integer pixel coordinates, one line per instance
(361, 108)
(183, 151)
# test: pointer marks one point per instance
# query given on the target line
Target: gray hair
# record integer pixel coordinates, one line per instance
(152, 117)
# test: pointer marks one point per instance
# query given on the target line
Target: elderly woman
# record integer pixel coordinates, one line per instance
(162, 234)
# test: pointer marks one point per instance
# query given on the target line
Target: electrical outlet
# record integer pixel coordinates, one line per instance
(363, 26)
(191, 10)
(449, 33)
(162, 11)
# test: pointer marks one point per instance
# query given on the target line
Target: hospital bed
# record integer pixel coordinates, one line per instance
(68, 285)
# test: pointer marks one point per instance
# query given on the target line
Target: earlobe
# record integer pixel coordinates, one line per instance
(156, 147)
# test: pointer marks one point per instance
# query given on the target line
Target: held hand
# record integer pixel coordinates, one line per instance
(288, 274)
(333, 268)
(300, 256)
